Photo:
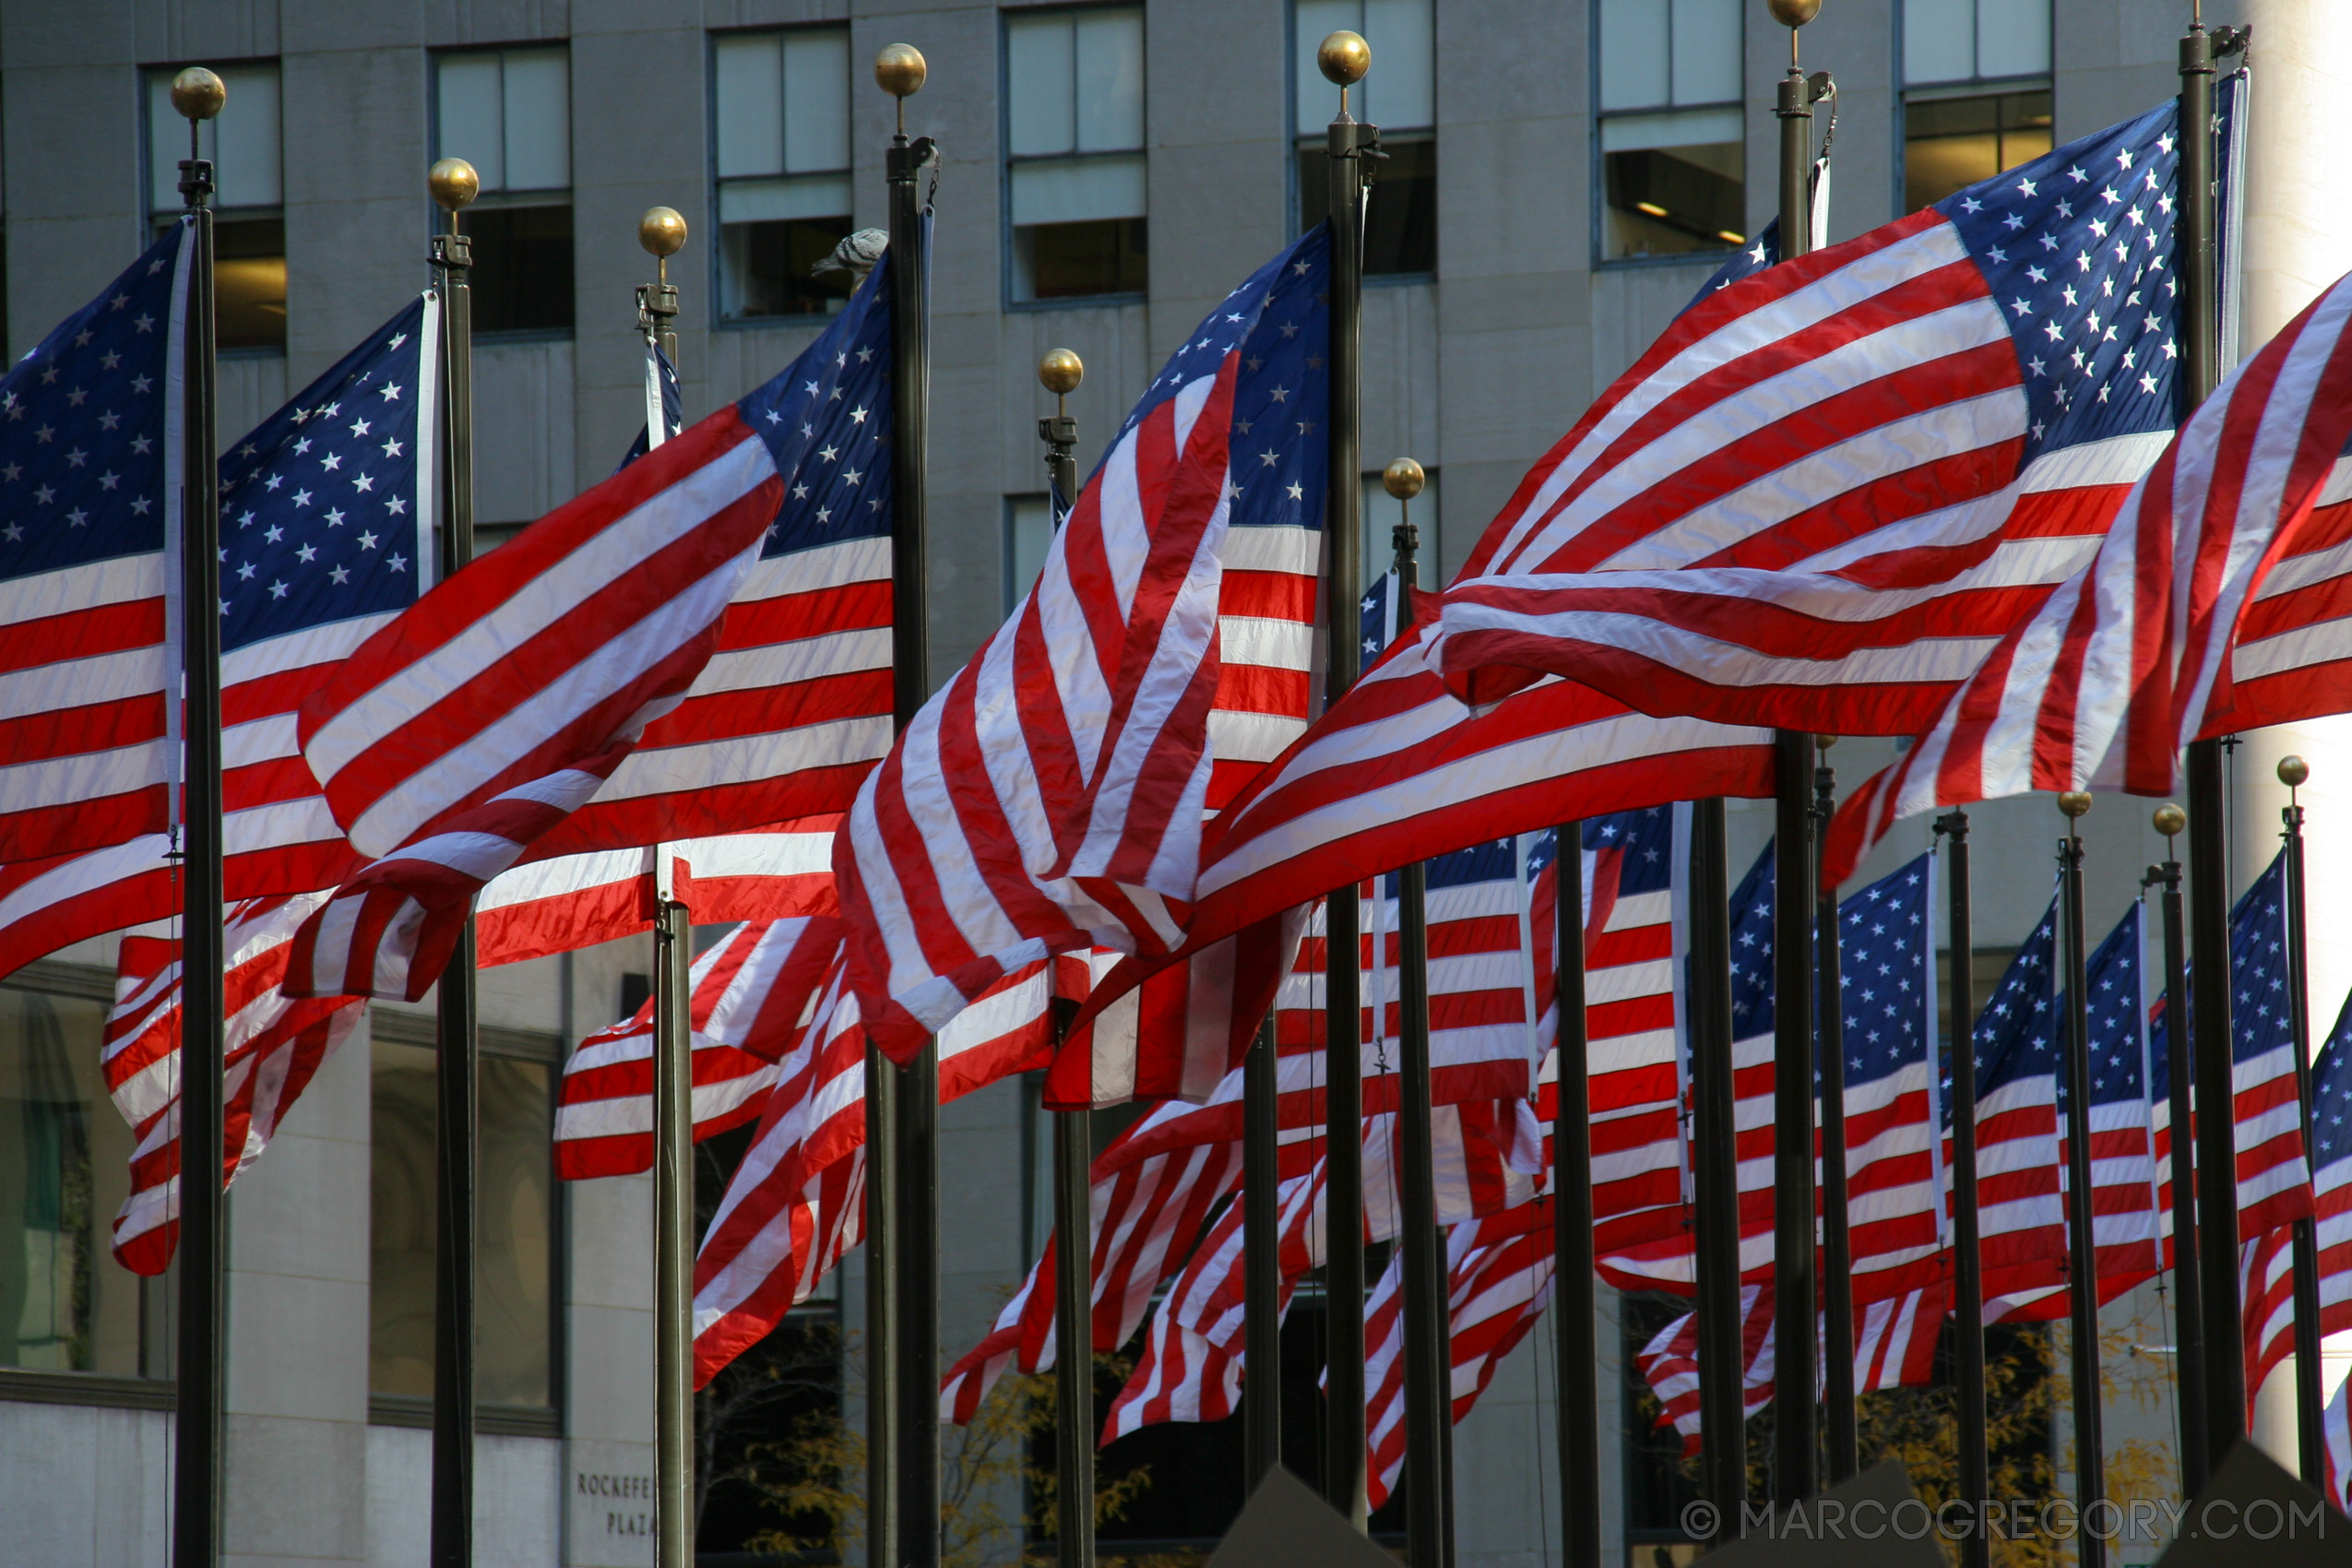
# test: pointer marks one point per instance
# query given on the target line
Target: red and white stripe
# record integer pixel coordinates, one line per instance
(1670, 1364)
(750, 999)
(274, 1046)
(2131, 659)
(1083, 736)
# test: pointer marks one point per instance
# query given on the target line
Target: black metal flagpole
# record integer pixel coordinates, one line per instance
(456, 1080)
(1343, 58)
(1723, 1453)
(1967, 1257)
(198, 95)
(1796, 1471)
(2188, 1310)
(1261, 1259)
(2310, 1399)
(1428, 1409)
(662, 233)
(1059, 373)
(902, 1267)
(1573, 1297)
(2081, 1241)
(2196, 252)
(1836, 1238)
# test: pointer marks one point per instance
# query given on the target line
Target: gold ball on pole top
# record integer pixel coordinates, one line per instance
(1343, 58)
(662, 232)
(900, 70)
(2074, 803)
(199, 94)
(1824, 742)
(1403, 479)
(1061, 371)
(453, 184)
(2293, 771)
(1793, 13)
(2170, 820)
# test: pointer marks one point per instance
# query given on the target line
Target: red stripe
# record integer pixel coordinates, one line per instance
(70, 634)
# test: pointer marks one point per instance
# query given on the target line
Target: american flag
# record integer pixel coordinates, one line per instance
(90, 601)
(2332, 1173)
(1828, 492)
(2124, 1179)
(326, 531)
(1164, 653)
(2131, 660)
(464, 735)
(665, 406)
(2021, 1216)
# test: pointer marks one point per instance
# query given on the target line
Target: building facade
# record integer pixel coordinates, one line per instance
(1562, 176)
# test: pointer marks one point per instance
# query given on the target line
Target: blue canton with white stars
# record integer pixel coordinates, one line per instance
(2331, 1096)
(673, 408)
(1278, 320)
(82, 457)
(827, 422)
(319, 505)
(1647, 839)
(1882, 975)
(1762, 252)
(2259, 1021)
(2077, 249)
(2111, 981)
(1752, 1006)
(2016, 1035)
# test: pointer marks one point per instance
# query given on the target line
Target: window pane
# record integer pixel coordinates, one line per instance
(246, 140)
(817, 101)
(539, 120)
(1939, 41)
(1634, 54)
(1110, 78)
(65, 1304)
(2013, 37)
(1400, 221)
(1077, 190)
(1953, 142)
(763, 267)
(522, 273)
(249, 282)
(761, 201)
(747, 70)
(472, 124)
(1400, 92)
(1071, 260)
(1312, 21)
(400, 1186)
(1674, 200)
(1706, 51)
(1028, 528)
(1040, 62)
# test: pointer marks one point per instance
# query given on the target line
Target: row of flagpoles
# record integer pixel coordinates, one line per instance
(907, 1040)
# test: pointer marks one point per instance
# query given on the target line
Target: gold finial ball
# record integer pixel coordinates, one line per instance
(2074, 803)
(2170, 820)
(453, 183)
(662, 230)
(1343, 58)
(900, 70)
(1824, 742)
(2292, 771)
(198, 93)
(1793, 13)
(1061, 371)
(1403, 479)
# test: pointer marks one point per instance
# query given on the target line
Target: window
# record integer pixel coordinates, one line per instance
(65, 1304)
(1381, 516)
(1075, 136)
(1672, 140)
(783, 164)
(1958, 126)
(1399, 95)
(508, 113)
(1029, 530)
(515, 1268)
(249, 235)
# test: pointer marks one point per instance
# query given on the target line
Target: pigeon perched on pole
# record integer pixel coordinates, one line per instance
(856, 254)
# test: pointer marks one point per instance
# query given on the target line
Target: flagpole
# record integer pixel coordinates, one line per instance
(457, 1128)
(2090, 1465)
(1795, 1431)
(198, 95)
(1576, 1351)
(1967, 1257)
(2310, 1399)
(1261, 1259)
(662, 233)
(902, 1118)
(1723, 1444)
(2225, 1394)
(1837, 1244)
(1428, 1487)
(2188, 1310)
(1074, 1428)
(1343, 58)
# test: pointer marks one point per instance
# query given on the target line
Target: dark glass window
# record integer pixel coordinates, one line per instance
(249, 280)
(1400, 221)
(1672, 131)
(249, 232)
(1949, 143)
(508, 113)
(1076, 176)
(1670, 200)
(1060, 261)
(522, 271)
(782, 158)
(768, 268)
